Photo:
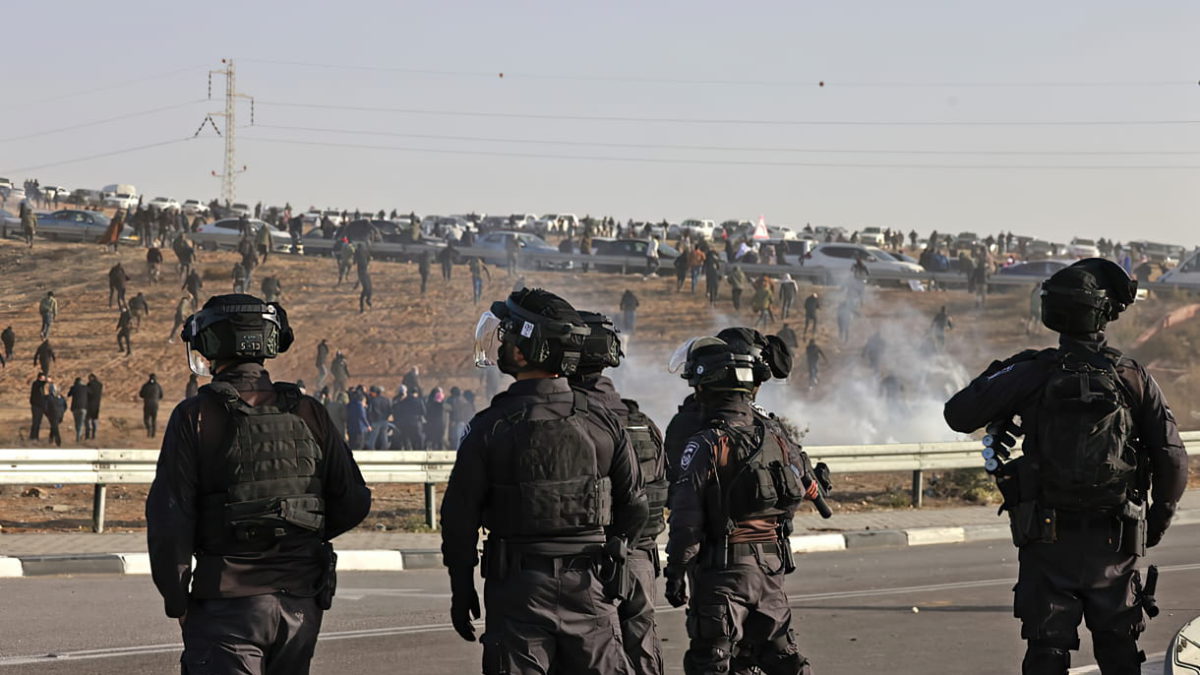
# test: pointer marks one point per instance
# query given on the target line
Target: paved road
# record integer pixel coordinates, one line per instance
(855, 615)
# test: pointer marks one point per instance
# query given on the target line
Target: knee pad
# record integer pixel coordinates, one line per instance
(1117, 651)
(1044, 657)
(782, 656)
(708, 656)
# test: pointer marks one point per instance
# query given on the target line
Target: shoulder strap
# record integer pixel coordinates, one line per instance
(288, 396)
(226, 394)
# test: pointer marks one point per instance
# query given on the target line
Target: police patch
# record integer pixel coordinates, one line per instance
(689, 451)
(527, 329)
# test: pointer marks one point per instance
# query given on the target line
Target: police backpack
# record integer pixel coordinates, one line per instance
(1086, 456)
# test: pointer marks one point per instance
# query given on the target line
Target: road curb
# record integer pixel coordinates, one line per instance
(392, 560)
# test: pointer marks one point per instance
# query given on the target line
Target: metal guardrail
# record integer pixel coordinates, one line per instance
(32, 466)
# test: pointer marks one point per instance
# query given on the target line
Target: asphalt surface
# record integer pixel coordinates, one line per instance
(854, 615)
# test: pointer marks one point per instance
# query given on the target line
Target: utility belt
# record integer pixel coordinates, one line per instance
(608, 562)
(1125, 526)
(650, 550)
(724, 555)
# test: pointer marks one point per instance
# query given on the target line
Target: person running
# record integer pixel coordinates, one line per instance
(116, 285)
(787, 295)
(154, 260)
(124, 328)
(424, 264)
(811, 305)
(95, 392)
(78, 394)
(181, 313)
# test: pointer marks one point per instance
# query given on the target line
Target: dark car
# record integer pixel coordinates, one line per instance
(635, 248)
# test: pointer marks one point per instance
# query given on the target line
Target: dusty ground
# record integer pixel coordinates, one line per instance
(434, 332)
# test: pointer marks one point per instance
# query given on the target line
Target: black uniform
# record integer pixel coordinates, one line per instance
(37, 406)
(252, 605)
(733, 541)
(637, 611)
(151, 393)
(547, 475)
(95, 391)
(1081, 569)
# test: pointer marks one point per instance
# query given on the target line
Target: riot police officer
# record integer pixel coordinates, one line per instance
(253, 482)
(739, 483)
(1101, 472)
(602, 349)
(772, 358)
(554, 481)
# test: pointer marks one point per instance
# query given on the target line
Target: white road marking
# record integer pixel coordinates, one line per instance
(138, 650)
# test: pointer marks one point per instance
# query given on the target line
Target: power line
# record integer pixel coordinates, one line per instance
(726, 148)
(106, 120)
(101, 155)
(816, 82)
(744, 122)
(107, 87)
(657, 160)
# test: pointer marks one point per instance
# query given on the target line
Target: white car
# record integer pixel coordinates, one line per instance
(240, 209)
(838, 257)
(1187, 273)
(14, 195)
(1083, 248)
(553, 221)
(54, 191)
(781, 232)
(871, 236)
(121, 200)
(445, 226)
(701, 228)
(225, 233)
(164, 204)
(195, 207)
(5, 184)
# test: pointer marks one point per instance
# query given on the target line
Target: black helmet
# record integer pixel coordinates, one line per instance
(236, 327)
(602, 347)
(546, 328)
(772, 356)
(1084, 297)
(711, 364)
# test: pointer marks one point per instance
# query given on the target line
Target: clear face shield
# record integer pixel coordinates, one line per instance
(679, 358)
(197, 363)
(487, 340)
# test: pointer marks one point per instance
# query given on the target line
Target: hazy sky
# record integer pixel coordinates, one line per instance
(697, 109)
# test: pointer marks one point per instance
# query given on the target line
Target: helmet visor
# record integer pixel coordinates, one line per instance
(679, 358)
(487, 340)
(197, 363)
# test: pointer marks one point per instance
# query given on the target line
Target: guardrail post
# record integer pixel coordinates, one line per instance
(431, 505)
(99, 493)
(918, 487)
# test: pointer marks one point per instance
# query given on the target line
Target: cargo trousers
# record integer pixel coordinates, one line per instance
(272, 634)
(550, 614)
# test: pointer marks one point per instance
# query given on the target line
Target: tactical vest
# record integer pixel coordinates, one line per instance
(557, 489)
(765, 483)
(649, 454)
(271, 478)
(1085, 449)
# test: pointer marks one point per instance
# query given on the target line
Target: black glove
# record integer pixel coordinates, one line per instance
(1157, 522)
(464, 602)
(676, 575)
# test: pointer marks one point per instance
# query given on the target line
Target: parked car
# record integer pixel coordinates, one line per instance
(225, 233)
(1041, 269)
(1083, 248)
(14, 195)
(871, 236)
(164, 204)
(838, 258)
(635, 248)
(1038, 249)
(85, 197)
(121, 200)
(1162, 254)
(554, 221)
(5, 184)
(9, 222)
(965, 240)
(239, 209)
(445, 226)
(522, 221)
(75, 225)
(194, 207)
(794, 250)
(50, 192)
(1187, 272)
(701, 228)
(530, 243)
